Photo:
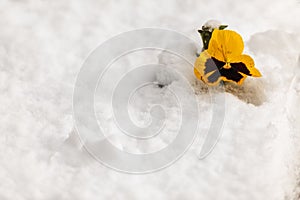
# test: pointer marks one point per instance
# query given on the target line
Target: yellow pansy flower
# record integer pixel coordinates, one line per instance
(223, 60)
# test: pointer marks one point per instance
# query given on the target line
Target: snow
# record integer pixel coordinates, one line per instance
(212, 24)
(43, 46)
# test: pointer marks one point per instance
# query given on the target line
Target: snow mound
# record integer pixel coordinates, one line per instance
(212, 24)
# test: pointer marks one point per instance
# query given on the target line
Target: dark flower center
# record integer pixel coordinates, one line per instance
(217, 67)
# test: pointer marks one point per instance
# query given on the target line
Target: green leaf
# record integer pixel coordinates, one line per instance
(222, 27)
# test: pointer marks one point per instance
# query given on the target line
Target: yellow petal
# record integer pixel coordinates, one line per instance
(212, 78)
(240, 82)
(245, 64)
(206, 70)
(199, 65)
(225, 45)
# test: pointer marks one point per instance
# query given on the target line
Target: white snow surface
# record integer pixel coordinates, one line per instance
(212, 24)
(42, 47)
